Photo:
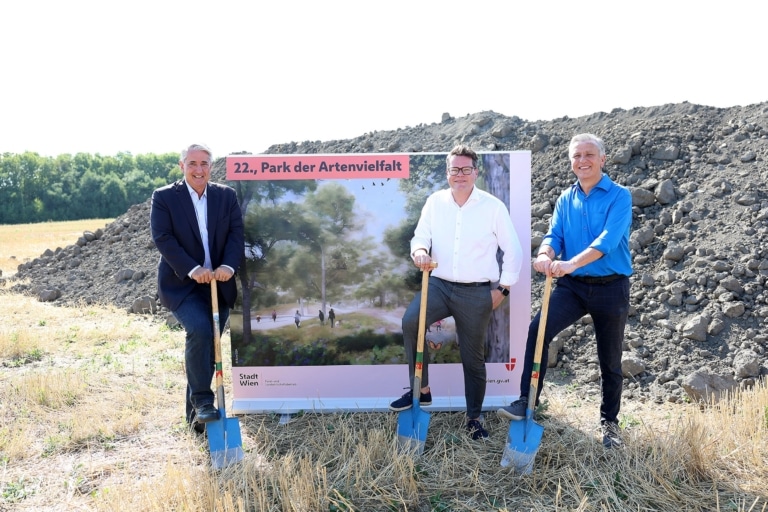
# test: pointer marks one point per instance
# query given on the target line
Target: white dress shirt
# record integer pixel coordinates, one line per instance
(201, 212)
(464, 239)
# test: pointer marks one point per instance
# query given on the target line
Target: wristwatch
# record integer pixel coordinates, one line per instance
(503, 290)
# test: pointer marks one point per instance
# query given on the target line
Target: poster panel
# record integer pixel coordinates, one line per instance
(329, 277)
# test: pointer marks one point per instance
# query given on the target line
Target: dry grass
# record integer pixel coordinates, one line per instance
(20, 243)
(91, 419)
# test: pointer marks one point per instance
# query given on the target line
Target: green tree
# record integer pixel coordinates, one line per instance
(139, 186)
(163, 167)
(87, 202)
(63, 193)
(330, 221)
(35, 188)
(260, 237)
(83, 162)
(382, 285)
(23, 182)
(57, 202)
(113, 200)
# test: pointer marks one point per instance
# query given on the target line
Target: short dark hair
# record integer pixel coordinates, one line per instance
(462, 150)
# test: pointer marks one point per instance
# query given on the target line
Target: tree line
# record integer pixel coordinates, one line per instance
(34, 188)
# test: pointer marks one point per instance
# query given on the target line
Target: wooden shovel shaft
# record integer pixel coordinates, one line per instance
(539, 344)
(419, 363)
(216, 335)
(224, 439)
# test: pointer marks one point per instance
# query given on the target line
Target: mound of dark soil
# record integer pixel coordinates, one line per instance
(699, 237)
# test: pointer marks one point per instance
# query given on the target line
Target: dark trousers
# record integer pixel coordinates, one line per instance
(195, 314)
(608, 305)
(470, 308)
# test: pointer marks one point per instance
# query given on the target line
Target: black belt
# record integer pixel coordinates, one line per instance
(597, 280)
(479, 283)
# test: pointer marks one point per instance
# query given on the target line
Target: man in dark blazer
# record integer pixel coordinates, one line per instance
(198, 228)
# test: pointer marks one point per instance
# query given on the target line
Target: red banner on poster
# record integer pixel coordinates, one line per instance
(317, 167)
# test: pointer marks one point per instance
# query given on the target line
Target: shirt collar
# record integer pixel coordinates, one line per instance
(604, 183)
(473, 196)
(193, 194)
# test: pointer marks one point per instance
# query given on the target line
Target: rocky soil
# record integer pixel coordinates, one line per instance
(699, 239)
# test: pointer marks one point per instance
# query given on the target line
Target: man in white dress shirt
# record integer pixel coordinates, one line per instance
(461, 228)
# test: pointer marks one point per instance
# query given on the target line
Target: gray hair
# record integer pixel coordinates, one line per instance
(196, 147)
(586, 137)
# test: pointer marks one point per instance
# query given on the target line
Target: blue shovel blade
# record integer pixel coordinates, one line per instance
(523, 442)
(412, 426)
(224, 441)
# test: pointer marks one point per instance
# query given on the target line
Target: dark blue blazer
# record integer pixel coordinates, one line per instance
(177, 237)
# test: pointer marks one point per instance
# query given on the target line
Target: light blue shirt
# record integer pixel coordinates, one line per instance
(600, 220)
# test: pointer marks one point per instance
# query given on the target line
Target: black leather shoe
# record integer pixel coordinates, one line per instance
(197, 427)
(206, 413)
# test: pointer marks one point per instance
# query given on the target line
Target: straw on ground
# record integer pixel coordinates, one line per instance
(91, 419)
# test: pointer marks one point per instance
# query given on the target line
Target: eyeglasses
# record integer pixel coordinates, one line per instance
(466, 171)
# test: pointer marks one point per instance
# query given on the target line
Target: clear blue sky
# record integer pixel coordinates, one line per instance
(141, 76)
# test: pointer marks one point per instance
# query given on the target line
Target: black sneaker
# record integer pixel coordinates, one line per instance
(405, 402)
(515, 410)
(476, 430)
(611, 435)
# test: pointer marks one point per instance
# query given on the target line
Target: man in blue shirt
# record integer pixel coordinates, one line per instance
(587, 249)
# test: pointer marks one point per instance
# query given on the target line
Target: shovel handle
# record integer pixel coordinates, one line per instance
(216, 335)
(419, 363)
(533, 391)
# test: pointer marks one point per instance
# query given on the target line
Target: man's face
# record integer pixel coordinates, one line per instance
(586, 162)
(197, 169)
(461, 182)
